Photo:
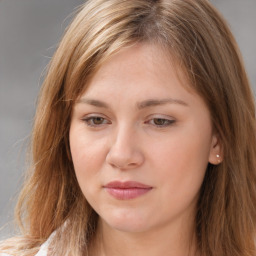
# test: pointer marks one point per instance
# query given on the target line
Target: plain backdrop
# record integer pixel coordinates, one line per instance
(29, 33)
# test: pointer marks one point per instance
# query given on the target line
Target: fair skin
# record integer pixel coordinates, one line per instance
(137, 122)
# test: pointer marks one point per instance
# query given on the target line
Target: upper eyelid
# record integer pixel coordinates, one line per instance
(94, 115)
(160, 116)
(147, 118)
(153, 115)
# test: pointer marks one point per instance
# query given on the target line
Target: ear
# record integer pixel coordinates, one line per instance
(216, 153)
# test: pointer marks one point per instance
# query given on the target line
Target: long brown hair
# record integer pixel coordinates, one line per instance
(198, 38)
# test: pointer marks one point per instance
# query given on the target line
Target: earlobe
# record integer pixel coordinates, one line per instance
(216, 155)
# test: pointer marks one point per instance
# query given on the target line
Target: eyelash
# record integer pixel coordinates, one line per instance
(90, 121)
(164, 122)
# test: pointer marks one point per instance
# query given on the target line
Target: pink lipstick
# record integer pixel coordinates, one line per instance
(126, 190)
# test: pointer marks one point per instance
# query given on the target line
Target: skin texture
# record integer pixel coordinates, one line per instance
(119, 134)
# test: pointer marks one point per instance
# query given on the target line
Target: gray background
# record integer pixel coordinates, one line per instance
(29, 33)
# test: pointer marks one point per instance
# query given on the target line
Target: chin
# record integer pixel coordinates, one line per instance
(126, 222)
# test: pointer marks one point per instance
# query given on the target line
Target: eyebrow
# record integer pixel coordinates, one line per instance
(96, 103)
(140, 105)
(159, 102)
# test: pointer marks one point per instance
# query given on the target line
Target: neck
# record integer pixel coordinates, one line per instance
(179, 239)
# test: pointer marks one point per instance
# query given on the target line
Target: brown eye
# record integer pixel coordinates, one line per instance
(95, 121)
(161, 122)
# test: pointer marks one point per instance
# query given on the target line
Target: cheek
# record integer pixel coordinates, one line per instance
(84, 148)
(181, 154)
(182, 161)
(87, 155)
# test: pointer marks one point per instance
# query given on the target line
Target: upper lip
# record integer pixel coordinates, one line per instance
(126, 185)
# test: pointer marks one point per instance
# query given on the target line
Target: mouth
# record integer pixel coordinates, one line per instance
(126, 190)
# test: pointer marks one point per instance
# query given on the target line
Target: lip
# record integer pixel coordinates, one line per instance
(127, 190)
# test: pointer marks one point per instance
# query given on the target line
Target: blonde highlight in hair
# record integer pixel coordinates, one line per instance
(200, 42)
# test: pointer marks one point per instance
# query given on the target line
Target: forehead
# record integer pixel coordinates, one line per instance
(138, 63)
(139, 73)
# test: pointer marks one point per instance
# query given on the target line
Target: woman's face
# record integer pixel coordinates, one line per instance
(140, 142)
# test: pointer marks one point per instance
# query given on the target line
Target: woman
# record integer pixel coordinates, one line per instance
(144, 138)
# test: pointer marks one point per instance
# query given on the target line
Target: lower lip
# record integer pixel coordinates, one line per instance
(127, 193)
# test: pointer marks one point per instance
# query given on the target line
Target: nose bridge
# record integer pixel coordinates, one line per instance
(124, 151)
(123, 135)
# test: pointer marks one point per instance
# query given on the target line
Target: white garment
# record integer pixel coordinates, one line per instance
(43, 249)
(42, 252)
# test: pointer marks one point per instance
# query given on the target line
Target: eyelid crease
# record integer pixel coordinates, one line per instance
(160, 116)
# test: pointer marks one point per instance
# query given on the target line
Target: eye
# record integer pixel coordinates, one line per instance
(161, 122)
(95, 121)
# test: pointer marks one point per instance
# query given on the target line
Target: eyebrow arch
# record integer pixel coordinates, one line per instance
(140, 105)
(159, 102)
(96, 103)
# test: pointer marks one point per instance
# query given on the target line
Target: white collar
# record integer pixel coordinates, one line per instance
(43, 249)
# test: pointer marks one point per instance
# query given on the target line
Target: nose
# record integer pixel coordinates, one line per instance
(125, 152)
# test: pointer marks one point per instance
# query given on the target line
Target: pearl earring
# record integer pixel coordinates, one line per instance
(218, 156)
